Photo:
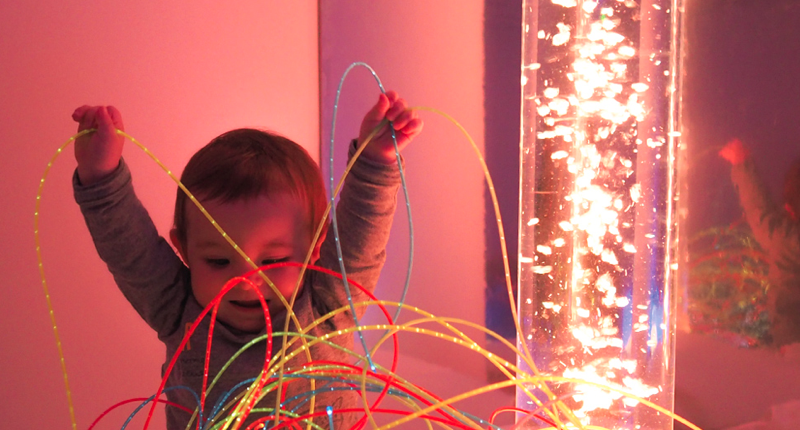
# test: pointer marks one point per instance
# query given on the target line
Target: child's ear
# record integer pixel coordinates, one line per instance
(317, 246)
(176, 242)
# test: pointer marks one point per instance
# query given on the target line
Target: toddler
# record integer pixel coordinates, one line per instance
(267, 194)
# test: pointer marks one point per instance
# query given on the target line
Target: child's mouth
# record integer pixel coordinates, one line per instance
(247, 304)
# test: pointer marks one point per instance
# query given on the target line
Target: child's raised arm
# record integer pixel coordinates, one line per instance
(98, 153)
(407, 126)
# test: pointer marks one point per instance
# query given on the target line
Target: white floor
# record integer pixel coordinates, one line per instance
(720, 386)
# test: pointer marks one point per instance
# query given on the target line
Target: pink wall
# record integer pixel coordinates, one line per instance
(181, 73)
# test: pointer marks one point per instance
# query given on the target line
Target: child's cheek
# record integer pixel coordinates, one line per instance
(285, 279)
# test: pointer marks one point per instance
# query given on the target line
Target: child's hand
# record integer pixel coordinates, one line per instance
(735, 152)
(98, 153)
(407, 126)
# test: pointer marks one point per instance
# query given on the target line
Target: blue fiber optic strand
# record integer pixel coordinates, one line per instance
(224, 398)
(333, 211)
(329, 412)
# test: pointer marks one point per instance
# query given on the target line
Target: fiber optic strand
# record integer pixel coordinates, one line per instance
(325, 339)
(333, 194)
(316, 340)
(463, 340)
(267, 370)
(329, 272)
(212, 307)
(352, 161)
(329, 210)
(41, 264)
(197, 204)
(518, 381)
(402, 180)
(287, 344)
(526, 355)
(320, 227)
(317, 367)
(290, 312)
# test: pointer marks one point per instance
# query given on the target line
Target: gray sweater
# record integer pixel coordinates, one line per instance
(157, 283)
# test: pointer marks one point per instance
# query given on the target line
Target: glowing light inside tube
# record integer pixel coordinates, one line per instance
(597, 207)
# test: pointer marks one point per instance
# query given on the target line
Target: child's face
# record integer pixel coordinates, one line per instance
(269, 229)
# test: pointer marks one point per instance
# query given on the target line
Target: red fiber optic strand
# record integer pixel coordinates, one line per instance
(215, 303)
(227, 287)
(138, 399)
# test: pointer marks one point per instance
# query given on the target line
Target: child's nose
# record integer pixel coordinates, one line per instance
(258, 280)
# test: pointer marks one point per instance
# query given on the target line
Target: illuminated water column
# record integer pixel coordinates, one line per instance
(598, 234)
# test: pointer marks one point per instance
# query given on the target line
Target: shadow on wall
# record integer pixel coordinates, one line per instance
(502, 53)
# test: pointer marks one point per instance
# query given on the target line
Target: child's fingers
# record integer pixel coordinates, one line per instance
(396, 110)
(413, 128)
(403, 119)
(105, 125)
(400, 124)
(392, 96)
(88, 119)
(410, 131)
(78, 113)
(116, 118)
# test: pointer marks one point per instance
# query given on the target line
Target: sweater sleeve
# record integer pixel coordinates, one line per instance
(364, 217)
(772, 227)
(145, 267)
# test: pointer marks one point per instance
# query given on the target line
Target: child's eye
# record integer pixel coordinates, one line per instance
(273, 260)
(217, 262)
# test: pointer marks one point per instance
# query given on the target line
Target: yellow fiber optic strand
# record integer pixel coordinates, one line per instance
(526, 356)
(44, 280)
(464, 341)
(307, 369)
(213, 222)
(445, 404)
(188, 194)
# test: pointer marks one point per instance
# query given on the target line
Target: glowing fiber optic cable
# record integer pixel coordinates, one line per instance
(333, 195)
(40, 262)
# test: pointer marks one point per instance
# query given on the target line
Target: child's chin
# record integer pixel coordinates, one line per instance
(247, 323)
(249, 328)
